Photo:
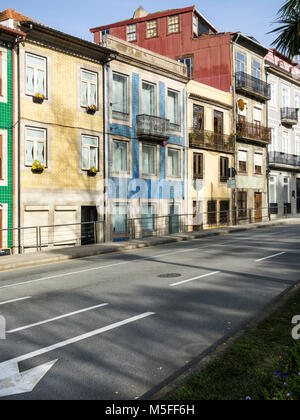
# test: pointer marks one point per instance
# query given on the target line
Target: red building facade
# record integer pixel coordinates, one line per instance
(180, 34)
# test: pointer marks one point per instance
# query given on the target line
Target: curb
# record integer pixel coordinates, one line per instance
(17, 262)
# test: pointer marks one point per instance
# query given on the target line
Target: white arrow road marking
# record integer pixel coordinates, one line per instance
(15, 300)
(26, 327)
(12, 382)
(194, 278)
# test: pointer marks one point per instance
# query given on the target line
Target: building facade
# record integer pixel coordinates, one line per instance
(284, 151)
(211, 155)
(61, 137)
(146, 157)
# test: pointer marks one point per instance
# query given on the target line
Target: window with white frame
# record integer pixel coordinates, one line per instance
(240, 62)
(272, 190)
(120, 96)
(242, 161)
(258, 163)
(297, 101)
(131, 33)
(173, 108)
(285, 142)
(35, 145)
(36, 74)
(256, 69)
(195, 24)
(298, 145)
(90, 149)
(120, 156)
(272, 145)
(173, 162)
(286, 190)
(173, 24)
(285, 97)
(148, 159)
(152, 29)
(148, 98)
(89, 83)
(273, 94)
(188, 61)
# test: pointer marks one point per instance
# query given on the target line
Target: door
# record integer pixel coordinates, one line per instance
(298, 195)
(212, 212)
(197, 223)
(198, 122)
(174, 225)
(224, 212)
(89, 215)
(257, 207)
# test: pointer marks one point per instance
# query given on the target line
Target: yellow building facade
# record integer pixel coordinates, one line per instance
(211, 154)
(63, 131)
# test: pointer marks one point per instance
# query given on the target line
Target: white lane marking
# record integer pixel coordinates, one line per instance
(47, 321)
(194, 278)
(271, 256)
(15, 300)
(79, 338)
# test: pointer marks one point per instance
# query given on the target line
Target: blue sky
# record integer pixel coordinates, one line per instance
(250, 17)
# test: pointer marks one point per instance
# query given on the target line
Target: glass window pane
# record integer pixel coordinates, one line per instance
(148, 160)
(84, 93)
(90, 141)
(173, 112)
(41, 152)
(29, 157)
(85, 158)
(119, 93)
(89, 76)
(35, 60)
(173, 162)
(148, 222)
(93, 157)
(41, 82)
(148, 99)
(30, 80)
(120, 156)
(120, 215)
(93, 94)
(35, 133)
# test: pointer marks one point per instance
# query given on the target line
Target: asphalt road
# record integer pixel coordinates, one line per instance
(118, 326)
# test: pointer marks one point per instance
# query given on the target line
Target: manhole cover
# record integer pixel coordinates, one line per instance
(169, 275)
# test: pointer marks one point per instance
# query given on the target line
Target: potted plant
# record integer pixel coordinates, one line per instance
(92, 171)
(37, 167)
(38, 98)
(91, 109)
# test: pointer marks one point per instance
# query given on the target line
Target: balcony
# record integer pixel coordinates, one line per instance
(149, 127)
(289, 116)
(250, 85)
(254, 132)
(211, 141)
(277, 158)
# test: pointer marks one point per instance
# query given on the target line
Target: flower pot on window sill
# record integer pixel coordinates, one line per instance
(37, 167)
(92, 172)
(38, 98)
(37, 170)
(91, 110)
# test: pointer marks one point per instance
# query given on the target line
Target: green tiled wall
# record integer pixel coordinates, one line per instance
(6, 193)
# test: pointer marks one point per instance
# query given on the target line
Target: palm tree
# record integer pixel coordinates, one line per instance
(288, 40)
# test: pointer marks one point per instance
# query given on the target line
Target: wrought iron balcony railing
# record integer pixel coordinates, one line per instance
(284, 159)
(152, 128)
(252, 131)
(289, 115)
(249, 84)
(213, 141)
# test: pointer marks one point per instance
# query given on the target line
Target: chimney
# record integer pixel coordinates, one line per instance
(139, 13)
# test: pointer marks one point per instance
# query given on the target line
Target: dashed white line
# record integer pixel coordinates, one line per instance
(271, 256)
(47, 321)
(15, 300)
(194, 278)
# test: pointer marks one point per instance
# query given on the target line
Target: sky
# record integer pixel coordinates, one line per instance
(75, 17)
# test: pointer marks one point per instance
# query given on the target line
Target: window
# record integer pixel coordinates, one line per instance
(173, 163)
(148, 217)
(240, 62)
(148, 159)
(258, 163)
(35, 145)
(120, 156)
(148, 99)
(131, 33)
(104, 33)
(173, 24)
(188, 61)
(297, 101)
(198, 118)
(242, 204)
(256, 69)
(272, 145)
(285, 97)
(120, 218)
(89, 152)
(152, 29)
(224, 166)
(198, 165)
(272, 190)
(218, 122)
(298, 145)
(273, 97)
(195, 25)
(286, 190)
(35, 74)
(120, 96)
(285, 142)
(212, 212)
(242, 157)
(173, 109)
(89, 82)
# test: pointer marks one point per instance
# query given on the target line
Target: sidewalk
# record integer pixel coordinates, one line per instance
(34, 259)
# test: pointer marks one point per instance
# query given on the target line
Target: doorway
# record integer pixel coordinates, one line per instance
(257, 207)
(89, 214)
(298, 194)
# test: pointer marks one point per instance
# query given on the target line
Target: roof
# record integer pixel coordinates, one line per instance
(12, 14)
(152, 16)
(13, 32)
